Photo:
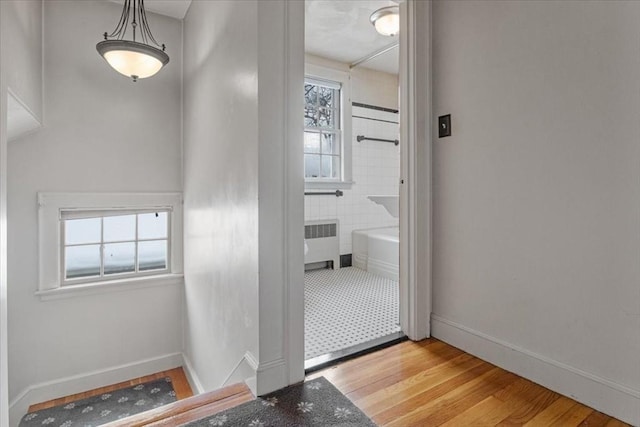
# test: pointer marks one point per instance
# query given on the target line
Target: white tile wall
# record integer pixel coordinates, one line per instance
(376, 171)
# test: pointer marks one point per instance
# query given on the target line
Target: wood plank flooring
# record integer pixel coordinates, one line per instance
(178, 378)
(431, 383)
(424, 384)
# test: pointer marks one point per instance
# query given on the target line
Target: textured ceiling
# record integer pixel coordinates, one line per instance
(340, 30)
(334, 29)
(173, 8)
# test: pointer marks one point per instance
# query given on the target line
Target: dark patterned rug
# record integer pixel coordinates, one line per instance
(314, 403)
(104, 408)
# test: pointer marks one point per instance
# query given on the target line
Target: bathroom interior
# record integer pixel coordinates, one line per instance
(352, 177)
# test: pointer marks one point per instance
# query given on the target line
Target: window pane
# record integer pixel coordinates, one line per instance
(310, 92)
(330, 167)
(311, 165)
(330, 144)
(152, 226)
(78, 231)
(119, 258)
(119, 228)
(325, 118)
(310, 117)
(152, 255)
(311, 142)
(82, 261)
(326, 96)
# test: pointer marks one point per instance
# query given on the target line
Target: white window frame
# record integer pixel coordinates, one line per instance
(69, 214)
(317, 72)
(50, 217)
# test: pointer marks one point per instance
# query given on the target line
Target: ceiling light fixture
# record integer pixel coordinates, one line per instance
(132, 58)
(386, 20)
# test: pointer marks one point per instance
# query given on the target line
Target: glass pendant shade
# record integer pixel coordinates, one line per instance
(386, 20)
(135, 59)
(132, 59)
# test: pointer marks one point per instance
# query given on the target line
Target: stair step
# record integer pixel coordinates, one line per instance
(216, 400)
(203, 411)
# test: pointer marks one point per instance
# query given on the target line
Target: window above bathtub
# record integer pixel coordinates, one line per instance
(91, 240)
(327, 128)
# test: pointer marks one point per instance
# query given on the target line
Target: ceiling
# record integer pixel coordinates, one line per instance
(340, 30)
(172, 8)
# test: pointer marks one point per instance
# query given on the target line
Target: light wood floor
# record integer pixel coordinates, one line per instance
(178, 379)
(431, 383)
(424, 384)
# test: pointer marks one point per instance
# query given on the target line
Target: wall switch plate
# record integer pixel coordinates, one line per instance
(444, 126)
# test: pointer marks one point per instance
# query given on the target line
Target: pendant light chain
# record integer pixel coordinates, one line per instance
(133, 58)
(146, 30)
(139, 20)
(118, 33)
(134, 23)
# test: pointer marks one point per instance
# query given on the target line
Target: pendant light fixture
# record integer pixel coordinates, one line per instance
(386, 20)
(135, 59)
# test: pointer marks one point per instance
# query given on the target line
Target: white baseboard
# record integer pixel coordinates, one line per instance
(271, 376)
(244, 371)
(599, 393)
(192, 377)
(87, 381)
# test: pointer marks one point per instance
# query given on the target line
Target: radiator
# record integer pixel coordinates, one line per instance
(322, 238)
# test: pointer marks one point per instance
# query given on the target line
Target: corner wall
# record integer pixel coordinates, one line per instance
(21, 41)
(243, 193)
(4, 373)
(20, 70)
(536, 209)
(221, 191)
(4, 380)
(103, 133)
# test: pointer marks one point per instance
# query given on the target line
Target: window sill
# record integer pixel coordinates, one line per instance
(328, 185)
(110, 286)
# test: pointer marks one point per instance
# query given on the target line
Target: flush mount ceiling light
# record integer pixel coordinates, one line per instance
(135, 59)
(386, 20)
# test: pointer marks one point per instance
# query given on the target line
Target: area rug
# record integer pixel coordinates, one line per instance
(314, 403)
(104, 408)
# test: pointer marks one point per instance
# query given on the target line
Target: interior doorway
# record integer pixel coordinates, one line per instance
(352, 166)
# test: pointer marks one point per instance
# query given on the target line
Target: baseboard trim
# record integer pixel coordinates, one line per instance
(87, 381)
(599, 393)
(192, 377)
(271, 376)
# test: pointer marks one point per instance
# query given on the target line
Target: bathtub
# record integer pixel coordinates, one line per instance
(377, 251)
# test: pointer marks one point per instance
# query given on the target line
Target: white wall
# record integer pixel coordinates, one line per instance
(367, 86)
(536, 210)
(243, 188)
(4, 380)
(103, 133)
(376, 171)
(22, 51)
(221, 189)
(281, 194)
(376, 165)
(374, 88)
(20, 69)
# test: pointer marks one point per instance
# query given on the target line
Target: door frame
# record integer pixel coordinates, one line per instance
(415, 191)
(415, 169)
